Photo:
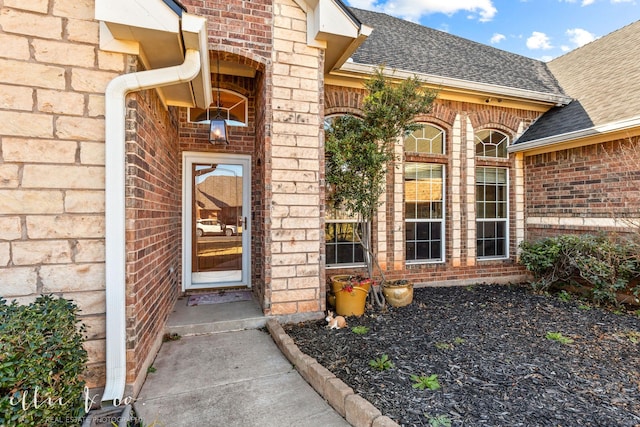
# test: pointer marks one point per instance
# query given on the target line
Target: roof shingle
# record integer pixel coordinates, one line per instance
(604, 79)
(412, 47)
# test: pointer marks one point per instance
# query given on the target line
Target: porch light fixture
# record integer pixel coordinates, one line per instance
(218, 124)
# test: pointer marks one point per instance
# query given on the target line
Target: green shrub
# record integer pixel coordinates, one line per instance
(602, 263)
(41, 360)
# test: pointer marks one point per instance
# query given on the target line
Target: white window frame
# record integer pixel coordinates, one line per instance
(505, 219)
(442, 221)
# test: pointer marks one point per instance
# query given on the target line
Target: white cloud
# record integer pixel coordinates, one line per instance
(413, 10)
(587, 2)
(539, 40)
(580, 37)
(497, 38)
(546, 58)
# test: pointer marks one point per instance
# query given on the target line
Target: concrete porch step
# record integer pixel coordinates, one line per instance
(214, 318)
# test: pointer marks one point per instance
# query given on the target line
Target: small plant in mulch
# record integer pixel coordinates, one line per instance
(564, 296)
(381, 363)
(633, 336)
(449, 345)
(151, 369)
(360, 330)
(439, 420)
(421, 382)
(557, 336)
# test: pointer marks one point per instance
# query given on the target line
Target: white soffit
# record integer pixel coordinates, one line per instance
(159, 36)
(331, 27)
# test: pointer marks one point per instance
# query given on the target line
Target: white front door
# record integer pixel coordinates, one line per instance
(216, 226)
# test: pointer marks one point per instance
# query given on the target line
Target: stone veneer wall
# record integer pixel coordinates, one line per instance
(460, 121)
(52, 82)
(294, 267)
(584, 189)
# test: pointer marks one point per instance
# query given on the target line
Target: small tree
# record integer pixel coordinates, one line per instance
(360, 149)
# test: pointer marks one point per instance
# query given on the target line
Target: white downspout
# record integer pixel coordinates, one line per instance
(115, 261)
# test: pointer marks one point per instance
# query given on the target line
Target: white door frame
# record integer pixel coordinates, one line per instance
(188, 159)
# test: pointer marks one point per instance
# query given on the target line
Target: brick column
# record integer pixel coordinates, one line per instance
(295, 236)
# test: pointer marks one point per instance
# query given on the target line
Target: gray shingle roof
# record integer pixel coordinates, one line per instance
(604, 79)
(412, 47)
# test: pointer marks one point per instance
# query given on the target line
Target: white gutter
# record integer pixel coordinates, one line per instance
(611, 127)
(115, 110)
(558, 100)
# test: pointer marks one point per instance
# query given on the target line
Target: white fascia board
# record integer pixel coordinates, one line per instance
(449, 82)
(333, 20)
(150, 14)
(194, 34)
(611, 127)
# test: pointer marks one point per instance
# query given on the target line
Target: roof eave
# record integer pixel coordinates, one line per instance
(555, 141)
(159, 32)
(353, 68)
(333, 27)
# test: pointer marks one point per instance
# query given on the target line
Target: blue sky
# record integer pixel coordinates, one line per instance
(540, 29)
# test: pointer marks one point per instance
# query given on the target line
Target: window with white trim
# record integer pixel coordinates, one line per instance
(492, 212)
(491, 143)
(424, 184)
(424, 212)
(233, 108)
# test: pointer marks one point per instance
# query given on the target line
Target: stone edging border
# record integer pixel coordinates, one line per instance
(354, 408)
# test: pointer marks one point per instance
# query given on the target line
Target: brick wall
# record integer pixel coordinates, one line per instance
(459, 121)
(583, 189)
(153, 226)
(52, 81)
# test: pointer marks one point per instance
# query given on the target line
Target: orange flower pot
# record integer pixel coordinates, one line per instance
(351, 302)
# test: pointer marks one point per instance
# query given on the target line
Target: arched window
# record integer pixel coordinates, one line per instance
(492, 196)
(426, 140)
(491, 143)
(233, 108)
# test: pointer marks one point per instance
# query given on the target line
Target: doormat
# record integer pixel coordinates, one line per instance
(219, 297)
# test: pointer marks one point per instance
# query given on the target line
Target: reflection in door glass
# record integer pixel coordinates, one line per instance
(217, 219)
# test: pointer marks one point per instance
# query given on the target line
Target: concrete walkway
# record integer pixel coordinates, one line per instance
(229, 379)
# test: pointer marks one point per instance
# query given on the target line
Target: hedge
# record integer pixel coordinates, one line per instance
(41, 362)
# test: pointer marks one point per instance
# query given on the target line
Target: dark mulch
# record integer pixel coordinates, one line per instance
(488, 346)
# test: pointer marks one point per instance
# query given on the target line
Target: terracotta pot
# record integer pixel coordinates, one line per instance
(398, 293)
(351, 302)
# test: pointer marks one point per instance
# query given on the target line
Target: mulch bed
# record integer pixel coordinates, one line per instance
(488, 346)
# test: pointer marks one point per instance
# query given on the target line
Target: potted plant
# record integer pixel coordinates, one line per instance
(360, 150)
(398, 293)
(350, 294)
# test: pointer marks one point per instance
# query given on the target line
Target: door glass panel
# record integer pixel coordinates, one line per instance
(217, 223)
